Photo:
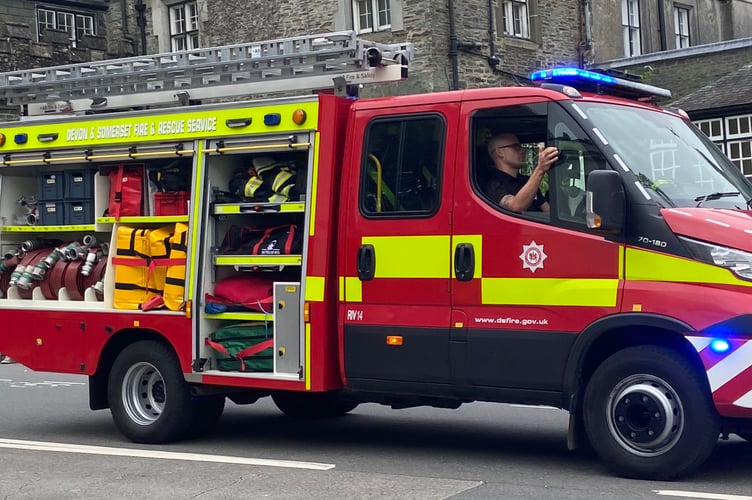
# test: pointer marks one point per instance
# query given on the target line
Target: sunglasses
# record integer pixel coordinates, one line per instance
(516, 145)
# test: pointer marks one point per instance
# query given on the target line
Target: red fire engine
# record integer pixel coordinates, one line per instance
(326, 250)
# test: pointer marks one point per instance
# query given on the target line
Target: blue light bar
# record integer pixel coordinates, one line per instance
(560, 73)
(583, 79)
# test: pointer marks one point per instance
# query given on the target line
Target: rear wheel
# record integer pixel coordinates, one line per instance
(648, 414)
(309, 405)
(149, 398)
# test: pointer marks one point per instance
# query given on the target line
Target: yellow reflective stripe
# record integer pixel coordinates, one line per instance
(341, 289)
(353, 289)
(314, 184)
(653, 266)
(307, 356)
(287, 206)
(252, 186)
(550, 291)
(411, 256)
(476, 240)
(259, 260)
(314, 289)
(186, 124)
(621, 262)
(196, 209)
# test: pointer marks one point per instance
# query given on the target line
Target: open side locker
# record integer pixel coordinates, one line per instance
(256, 219)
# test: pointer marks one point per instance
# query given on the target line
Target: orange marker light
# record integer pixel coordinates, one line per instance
(307, 312)
(394, 340)
(299, 117)
(2, 139)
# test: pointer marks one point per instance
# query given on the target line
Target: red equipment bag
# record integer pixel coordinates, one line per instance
(242, 292)
(278, 240)
(126, 191)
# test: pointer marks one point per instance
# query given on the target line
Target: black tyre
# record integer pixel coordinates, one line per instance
(206, 413)
(648, 414)
(310, 405)
(149, 398)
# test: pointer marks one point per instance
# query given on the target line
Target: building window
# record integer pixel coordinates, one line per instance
(184, 26)
(681, 27)
(713, 128)
(75, 24)
(372, 15)
(740, 153)
(516, 18)
(630, 20)
(738, 126)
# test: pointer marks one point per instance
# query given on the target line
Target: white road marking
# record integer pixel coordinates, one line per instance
(698, 494)
(534, 407)
(166, 455)
(18, 384)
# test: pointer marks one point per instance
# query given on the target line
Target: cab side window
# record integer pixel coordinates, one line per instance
(564, 186)
(401, 166)
(523, 128)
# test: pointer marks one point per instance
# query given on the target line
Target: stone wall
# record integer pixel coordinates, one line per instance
(711, 21)
(425, 23)
(20, 49)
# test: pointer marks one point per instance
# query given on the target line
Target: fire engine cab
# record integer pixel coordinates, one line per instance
(327, 250)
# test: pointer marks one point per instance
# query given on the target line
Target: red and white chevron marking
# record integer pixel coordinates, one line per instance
(729, 373)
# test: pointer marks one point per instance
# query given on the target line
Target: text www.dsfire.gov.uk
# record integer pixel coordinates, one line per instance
(506, 320)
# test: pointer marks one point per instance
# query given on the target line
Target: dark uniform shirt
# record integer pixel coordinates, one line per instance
(500, 184)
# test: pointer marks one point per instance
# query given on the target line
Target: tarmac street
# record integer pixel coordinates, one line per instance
(53, 446)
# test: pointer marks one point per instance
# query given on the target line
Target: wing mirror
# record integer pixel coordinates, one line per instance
(605, 203)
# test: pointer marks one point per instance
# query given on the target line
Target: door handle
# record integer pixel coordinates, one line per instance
(366, 262)
(464, 262)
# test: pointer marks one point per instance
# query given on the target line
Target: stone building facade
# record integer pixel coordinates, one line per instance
(458, 44)
(471, 51)
(622, 29)
(36, 34)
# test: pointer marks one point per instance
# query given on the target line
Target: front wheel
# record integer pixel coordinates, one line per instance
(311, 405)
(648, 414)
(149, 399)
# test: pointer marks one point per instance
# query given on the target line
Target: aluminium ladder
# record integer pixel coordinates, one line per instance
(307, 62)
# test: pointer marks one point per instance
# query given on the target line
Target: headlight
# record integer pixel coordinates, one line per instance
(738, 261)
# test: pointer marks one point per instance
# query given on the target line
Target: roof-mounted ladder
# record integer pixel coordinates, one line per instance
(298, 63)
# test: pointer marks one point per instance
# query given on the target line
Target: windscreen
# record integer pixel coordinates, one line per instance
(675, 163)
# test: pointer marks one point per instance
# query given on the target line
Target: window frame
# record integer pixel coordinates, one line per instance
(508, 19)
(710, 124)
(363, 191)
(75, 30)
(632, 32)
(373, 15)
(741, 121)
(682, 32)
(735, 152)
(184, 26)
(533, 123)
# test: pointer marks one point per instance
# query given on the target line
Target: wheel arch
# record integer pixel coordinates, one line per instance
(114, 346)
(608, 335)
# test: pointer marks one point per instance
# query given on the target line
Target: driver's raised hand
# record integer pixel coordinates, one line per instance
(546, 157)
